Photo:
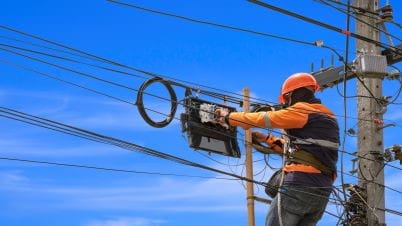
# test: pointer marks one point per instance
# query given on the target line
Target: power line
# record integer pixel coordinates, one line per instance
(64, 128)
(362, 21)
(84, 137)
(104, 60)
(43, 46)
(20, 116)
(354, 7)
(147, 108)
(321, 24)
(221, 96)
(212, 23)
(60, 127)
(53, 77)
(107, 168)
(345, 107)
(73, 61)
(165, 98)
(383, 185)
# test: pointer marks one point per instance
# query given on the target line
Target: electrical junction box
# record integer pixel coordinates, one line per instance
(373, 66)
(203, 132)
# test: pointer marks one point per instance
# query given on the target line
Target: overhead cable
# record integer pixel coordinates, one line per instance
(118, 99)
(220, 96)
(327, 26)
(346, 69)
(43, 74)
(61, 127)
(107, 168)
(360, 20)
(213, 24)
(27, 118)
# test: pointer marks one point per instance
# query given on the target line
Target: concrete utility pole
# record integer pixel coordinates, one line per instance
(370, 136)
(249, 162)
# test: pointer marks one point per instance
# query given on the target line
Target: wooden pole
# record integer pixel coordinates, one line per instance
(370, 138)
(249, 162)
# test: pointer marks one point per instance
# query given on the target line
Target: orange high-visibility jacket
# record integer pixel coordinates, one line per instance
(311, 127)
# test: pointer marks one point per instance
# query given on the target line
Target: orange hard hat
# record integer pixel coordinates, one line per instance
(296, 81)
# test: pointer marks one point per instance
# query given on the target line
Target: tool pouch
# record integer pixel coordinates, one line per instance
(273, 184)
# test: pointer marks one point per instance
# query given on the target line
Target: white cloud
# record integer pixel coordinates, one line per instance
(10, 178)
(163, 194)
(126, 221)
(30, 148)
(70, 109)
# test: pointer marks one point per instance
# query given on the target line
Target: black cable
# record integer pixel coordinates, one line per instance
(361, 10)
(119, 143)
(44, 47)
(168, 99)
(327, 26)
(136, 69)
(382, 185)
(107, 169)
(98, 92)
(122, 101)
(134, 104)
(345, 75)
(400, 87)
(74, 61)
(395, 23)
(148, 73)
(148, 151)
(141, 108)
(213, 24)
(104, 60)
(393, 101)
(220, 96)
(123, 144)
(157, 111)
(360, 20)
(395, 212)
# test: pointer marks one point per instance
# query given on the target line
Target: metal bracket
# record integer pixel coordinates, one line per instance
(333, 75)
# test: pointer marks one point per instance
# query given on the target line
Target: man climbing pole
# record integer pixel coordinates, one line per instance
(311, 151)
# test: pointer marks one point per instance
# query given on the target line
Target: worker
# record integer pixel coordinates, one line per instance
(313, 135)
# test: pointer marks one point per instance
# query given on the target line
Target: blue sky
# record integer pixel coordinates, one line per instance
(34, 194)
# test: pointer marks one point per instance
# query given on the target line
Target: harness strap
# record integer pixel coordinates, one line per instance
(306, 158)
(319, 142)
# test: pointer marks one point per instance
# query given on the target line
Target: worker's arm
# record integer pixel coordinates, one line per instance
(275, 143)
(292, 117)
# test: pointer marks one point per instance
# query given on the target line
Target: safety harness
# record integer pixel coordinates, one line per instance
(301, 156)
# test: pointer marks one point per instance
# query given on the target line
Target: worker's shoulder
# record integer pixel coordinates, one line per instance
(312, 108)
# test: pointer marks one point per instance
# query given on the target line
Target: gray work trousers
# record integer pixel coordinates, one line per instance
(301, 206)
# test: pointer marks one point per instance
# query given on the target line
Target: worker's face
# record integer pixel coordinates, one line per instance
(288, 98)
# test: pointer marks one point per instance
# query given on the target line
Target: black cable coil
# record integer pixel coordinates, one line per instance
(142, 109)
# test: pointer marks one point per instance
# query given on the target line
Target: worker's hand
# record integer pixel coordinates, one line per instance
(259, 137)
(221, 113)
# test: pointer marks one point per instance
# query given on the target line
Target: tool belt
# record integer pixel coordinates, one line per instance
(306, 158)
